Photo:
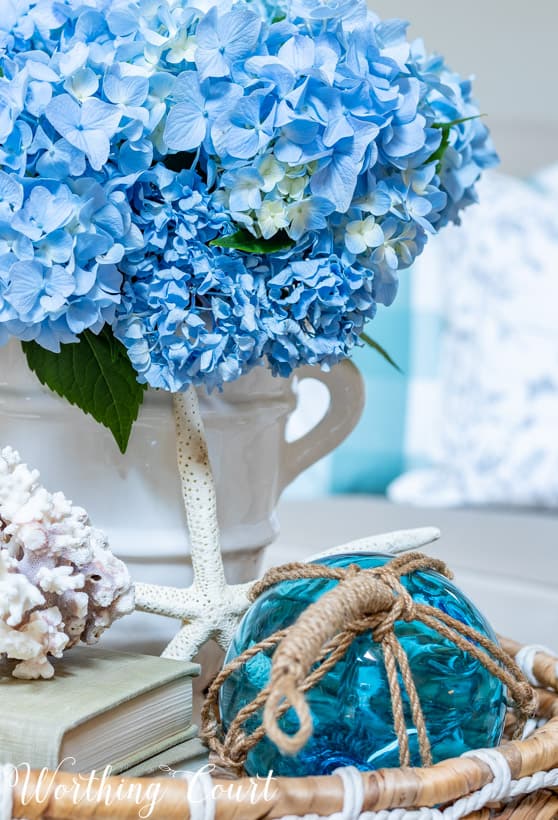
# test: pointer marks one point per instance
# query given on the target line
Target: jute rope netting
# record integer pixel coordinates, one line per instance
(364, 600)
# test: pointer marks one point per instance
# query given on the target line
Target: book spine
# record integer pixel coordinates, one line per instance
(28, 740)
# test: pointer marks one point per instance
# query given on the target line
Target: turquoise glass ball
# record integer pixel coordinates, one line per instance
(463, 704)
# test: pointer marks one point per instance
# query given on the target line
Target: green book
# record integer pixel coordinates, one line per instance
(186, 757)
(101, 709)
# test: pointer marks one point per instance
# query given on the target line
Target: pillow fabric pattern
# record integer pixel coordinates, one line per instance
(498, 441)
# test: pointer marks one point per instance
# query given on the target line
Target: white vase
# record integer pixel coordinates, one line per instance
(136, 497)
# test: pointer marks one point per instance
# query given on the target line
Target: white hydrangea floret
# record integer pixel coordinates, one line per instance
(272, 217)
(362, 235)
(59, 582)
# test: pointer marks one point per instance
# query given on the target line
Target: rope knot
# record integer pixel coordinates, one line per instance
(402, 607)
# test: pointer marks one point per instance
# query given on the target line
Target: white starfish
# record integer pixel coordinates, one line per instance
(211, 608)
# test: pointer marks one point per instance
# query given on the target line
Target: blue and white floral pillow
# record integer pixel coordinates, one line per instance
(497, 442)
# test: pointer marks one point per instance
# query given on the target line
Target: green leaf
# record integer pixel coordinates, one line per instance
(243, 240)
(379, 349)
(459, 121)
(438, 155)
(96, 375)
(445, 128)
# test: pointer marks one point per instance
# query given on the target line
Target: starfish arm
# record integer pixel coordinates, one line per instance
(226, 632)
(391, 542)
(198, 491)
(186, 644)
(234, 607)
(238, 596)
(169, 601)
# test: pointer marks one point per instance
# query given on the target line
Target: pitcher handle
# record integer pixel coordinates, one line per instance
(347, 395)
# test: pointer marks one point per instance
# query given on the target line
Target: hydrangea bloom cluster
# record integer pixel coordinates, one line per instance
(223, 184)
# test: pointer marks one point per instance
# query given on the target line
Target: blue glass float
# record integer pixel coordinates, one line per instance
(463, 704)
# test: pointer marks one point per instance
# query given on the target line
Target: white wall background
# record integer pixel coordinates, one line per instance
(511, 48)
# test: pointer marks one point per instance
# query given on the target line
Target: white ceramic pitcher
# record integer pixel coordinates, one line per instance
(136, 497)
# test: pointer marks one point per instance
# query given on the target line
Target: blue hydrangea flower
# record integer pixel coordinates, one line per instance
(318, 309)
(134, 134)
(58, 250)
(225, 39)
(192, 313)
(89, 127)
(187, 311)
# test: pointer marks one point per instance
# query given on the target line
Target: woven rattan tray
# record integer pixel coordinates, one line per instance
(519, 780)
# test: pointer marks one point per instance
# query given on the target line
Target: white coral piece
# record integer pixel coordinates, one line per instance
(59, 582)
